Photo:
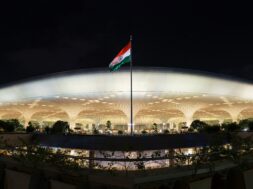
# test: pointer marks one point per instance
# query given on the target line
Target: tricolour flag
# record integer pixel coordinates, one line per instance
(123, 57)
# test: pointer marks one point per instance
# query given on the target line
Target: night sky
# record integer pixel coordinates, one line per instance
(43, 37)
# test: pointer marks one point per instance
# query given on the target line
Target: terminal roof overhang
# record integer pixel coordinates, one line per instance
(158, 92)
(144, 80)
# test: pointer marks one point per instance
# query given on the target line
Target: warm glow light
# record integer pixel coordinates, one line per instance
(159, 95)
(147, 80)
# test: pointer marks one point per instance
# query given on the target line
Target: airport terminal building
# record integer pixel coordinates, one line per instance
(87, 99)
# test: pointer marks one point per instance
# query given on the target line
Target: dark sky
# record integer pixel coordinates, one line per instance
(41, 37)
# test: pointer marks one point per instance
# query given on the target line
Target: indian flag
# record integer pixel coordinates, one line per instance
(123, 57)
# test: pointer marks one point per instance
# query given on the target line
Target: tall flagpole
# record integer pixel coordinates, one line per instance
(131, 87)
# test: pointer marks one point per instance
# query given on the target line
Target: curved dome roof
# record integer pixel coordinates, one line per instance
(144, 80)
(159, 95)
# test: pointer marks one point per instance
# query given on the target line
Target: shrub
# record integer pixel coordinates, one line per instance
(47, 130)
(250, 126)
(198, 125)
(212, 129)
(95, 131)
(30, 129)
(108, 125)
(71, 131)
(21, 128)
(190, 129)
(144, 132)
(2, 124)
(60, 127)
(230, 127)
(166, 131)
(120, 132)
(10, 125)
(155, 128)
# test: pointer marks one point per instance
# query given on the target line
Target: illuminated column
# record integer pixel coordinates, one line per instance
(27, 114)
(171, 125)
(72, 122)
(129, 126)
(221, 121)
(26, 123)
(97, 121)
(164, 124)
(188, 111)
(124, 107)
(91, 127)
(188, 115)
(164, 121)
(189, 120)
(234, 112)
(28, 111)
(73, 111)
(173, 122)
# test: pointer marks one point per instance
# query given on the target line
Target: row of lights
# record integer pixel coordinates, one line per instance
(100, 100)
(231, 103)
(172, 100)
(23, 104)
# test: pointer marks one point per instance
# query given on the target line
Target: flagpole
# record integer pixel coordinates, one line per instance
(131, 87)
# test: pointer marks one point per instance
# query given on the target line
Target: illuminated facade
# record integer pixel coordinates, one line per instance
(88, 98)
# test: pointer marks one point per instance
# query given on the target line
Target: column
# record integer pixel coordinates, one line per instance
(189, 120)
(171, 156)
(72, 123)
(91, 161)
(124, 107)
(73, 111)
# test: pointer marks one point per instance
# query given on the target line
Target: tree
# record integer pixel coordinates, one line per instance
(250, 125)
(144, 132)
(198, 125)
(47, 130)
(18, 125)
(230, 127)
(30, 128)
(10, 125)
(155, 128)
(166, 131)
(60, 127)
(95, 131)
(120, 132)
(212, 129)
(244, 124)
(190, 130)
(2, 124)
(108, 125)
